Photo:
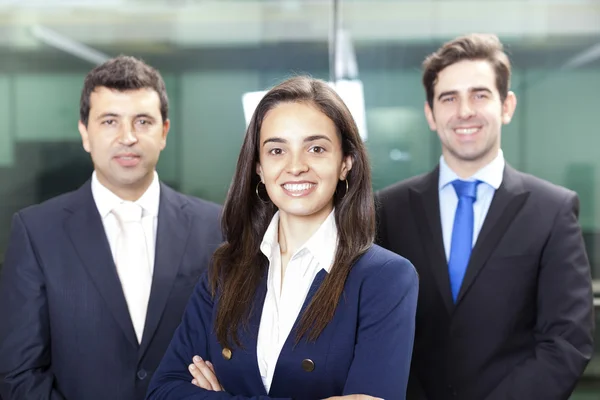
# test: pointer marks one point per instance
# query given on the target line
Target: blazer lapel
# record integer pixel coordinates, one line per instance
(86, 232)
(278, 385)
(424, 200)
(508, 200)
(171, 238)
(246, 357)
(249, 337)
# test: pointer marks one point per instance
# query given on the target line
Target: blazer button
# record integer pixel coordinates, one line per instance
(142, 374)
(308, 365)
(226, 353)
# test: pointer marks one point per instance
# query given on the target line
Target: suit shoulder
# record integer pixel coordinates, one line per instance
(48, 208)
(401, 188)
(384, 263)
(191, 204)
(544, 189)
(202, 206)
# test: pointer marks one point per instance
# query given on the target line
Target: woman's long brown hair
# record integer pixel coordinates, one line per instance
(238, 265)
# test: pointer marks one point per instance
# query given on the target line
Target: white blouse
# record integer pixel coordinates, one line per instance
(281, 307)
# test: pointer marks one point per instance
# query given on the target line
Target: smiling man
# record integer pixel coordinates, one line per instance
(95, 281)
(505, 306)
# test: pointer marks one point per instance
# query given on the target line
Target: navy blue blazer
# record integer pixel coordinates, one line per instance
(65, 330)
(366, 348)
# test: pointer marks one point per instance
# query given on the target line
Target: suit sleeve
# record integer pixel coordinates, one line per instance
(565, 321)
(25, 359)
(172, 380)
(385, 336)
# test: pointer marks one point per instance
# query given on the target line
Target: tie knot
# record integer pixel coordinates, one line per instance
(128, 212)
(465, 188)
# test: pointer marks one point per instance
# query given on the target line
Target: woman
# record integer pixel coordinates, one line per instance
(298, 303)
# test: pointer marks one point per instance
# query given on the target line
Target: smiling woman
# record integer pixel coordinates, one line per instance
(301, 162)
(299, 302)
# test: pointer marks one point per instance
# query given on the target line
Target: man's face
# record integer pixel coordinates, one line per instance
(124, 136)
(468, 113)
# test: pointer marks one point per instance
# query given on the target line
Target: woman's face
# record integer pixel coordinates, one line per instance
(301, 160)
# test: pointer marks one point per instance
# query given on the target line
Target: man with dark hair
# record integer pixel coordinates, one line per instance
(95, 281)
(505, 302)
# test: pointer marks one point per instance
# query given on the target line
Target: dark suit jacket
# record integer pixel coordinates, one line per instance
(523, 322)
(65, 330)
(366, 348)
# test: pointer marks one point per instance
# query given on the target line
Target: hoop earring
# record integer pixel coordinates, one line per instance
(258, 195)
(346, 180)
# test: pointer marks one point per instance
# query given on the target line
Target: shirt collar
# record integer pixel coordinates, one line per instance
(491, 174)
(106, 201)
(322, 244)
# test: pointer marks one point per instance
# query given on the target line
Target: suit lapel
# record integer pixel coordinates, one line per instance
(86, 232)
(508, 200)
(279, 383)
(171, 238)
(424, 200)
(249, 337)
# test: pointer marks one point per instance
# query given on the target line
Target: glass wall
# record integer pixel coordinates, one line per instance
(212, 52)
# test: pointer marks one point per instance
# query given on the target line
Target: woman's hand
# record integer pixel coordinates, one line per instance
(203, 373)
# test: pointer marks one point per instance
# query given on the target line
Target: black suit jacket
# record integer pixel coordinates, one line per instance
(522, 325)
(65, 330)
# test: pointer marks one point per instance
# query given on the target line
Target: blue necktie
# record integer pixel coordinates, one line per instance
(462, 233)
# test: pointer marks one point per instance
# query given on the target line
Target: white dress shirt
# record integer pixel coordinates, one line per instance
(491, 178)
(106, 201)
(284, 301)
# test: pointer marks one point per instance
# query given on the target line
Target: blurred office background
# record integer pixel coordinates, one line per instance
(212, 52)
